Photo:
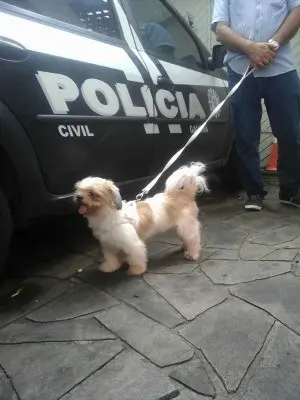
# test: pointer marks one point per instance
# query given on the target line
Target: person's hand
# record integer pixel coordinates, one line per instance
(260, 54)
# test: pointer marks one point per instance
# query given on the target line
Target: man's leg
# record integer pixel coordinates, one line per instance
(247, 111)
(282, 98)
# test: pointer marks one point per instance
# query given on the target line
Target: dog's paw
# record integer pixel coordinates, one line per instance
(107, 267)
(191, 256)
(136, 270)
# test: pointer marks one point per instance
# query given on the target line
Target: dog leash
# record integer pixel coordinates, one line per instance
(147, 188)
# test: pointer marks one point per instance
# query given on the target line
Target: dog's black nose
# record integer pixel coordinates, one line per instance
(79, 197)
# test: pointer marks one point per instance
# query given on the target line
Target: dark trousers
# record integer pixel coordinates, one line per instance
(281, 95)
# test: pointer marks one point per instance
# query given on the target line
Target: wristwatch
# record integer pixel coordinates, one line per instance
(274, 44)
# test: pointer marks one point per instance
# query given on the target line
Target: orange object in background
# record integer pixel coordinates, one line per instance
(272, 166)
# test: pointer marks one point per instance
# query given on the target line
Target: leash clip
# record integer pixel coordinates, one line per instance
(140, 196)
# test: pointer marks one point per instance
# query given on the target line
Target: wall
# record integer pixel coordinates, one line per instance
(199, 13)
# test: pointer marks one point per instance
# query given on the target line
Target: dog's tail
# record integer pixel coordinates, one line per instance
(188, 178)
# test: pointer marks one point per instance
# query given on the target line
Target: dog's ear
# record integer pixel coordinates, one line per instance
(117, 199)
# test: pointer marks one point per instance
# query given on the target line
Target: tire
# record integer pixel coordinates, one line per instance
(229, 174)
(6, 227)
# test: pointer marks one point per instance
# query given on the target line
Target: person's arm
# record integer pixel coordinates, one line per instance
(220, 25)
(231, 39)
(290, 25)
(260, 54)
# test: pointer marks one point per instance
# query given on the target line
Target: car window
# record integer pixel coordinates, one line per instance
(163, 35)
(94, 15)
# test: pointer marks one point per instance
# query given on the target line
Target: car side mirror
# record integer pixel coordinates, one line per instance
(217, 59)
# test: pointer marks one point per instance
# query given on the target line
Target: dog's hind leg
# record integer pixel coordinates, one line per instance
(111, 262)
(188, 229)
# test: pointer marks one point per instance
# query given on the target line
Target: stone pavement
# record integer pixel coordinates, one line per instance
(226, 327)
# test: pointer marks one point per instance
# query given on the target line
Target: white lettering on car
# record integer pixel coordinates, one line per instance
(58, 89)
(162, 97)
(105, 100)
(67, 131)
(195, 107)
(181, 104)
(149, 102)
(193, 128)
(129, 108)
(89, 91)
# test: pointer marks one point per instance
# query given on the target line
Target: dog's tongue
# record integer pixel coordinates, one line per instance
(82, 209)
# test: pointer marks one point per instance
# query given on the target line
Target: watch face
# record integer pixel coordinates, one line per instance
(274, 44)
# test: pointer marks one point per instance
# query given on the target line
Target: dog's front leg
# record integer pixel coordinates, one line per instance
(137, 259)
(111, 261)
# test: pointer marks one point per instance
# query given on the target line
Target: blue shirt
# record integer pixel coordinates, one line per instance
(257, 20)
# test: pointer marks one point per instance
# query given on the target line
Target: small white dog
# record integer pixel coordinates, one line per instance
(122, 228)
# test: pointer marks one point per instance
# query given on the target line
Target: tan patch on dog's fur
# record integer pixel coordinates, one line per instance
(177, 201)
(146, 220)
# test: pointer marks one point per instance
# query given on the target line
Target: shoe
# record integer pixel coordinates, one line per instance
(254, 203)
(294, 200)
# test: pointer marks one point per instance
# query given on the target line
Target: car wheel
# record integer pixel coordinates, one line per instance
(6, 227)
(229, 173)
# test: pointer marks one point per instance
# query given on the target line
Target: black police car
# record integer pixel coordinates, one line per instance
(98, 87)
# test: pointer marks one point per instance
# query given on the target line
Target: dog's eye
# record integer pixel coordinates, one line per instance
(93, 195)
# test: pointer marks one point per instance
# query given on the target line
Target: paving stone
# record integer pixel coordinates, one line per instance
(194, 376)
(282, 255)
(279, 296)
(277, 376)
(207, 253)
(224, 254)
(75, 330)
(49, 370)
(138, 294)
(81, 300)
(170, 257)
(294, 244)
(223, 236)
(6, 390)
(173, 269)
(62, 267)
(147, 337)
(253, 252)
(95, 253)
(219, 212)
(255, 222)
(278, 236)
(295, 269)
(190, 294)
(34, 293)
(280, 210)
(293, 217)
(189, 395)
(168, 238)
(230, 336)
(176, 263)
(156, 247)
(232, 272)
(127, 377)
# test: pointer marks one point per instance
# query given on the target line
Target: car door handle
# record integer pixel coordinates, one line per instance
(12, 51)
(165, 83)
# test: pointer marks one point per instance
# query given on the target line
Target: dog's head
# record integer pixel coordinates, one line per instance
(92, 194)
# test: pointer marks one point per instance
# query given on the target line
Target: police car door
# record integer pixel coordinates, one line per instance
(77, 89)
(185, 91)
